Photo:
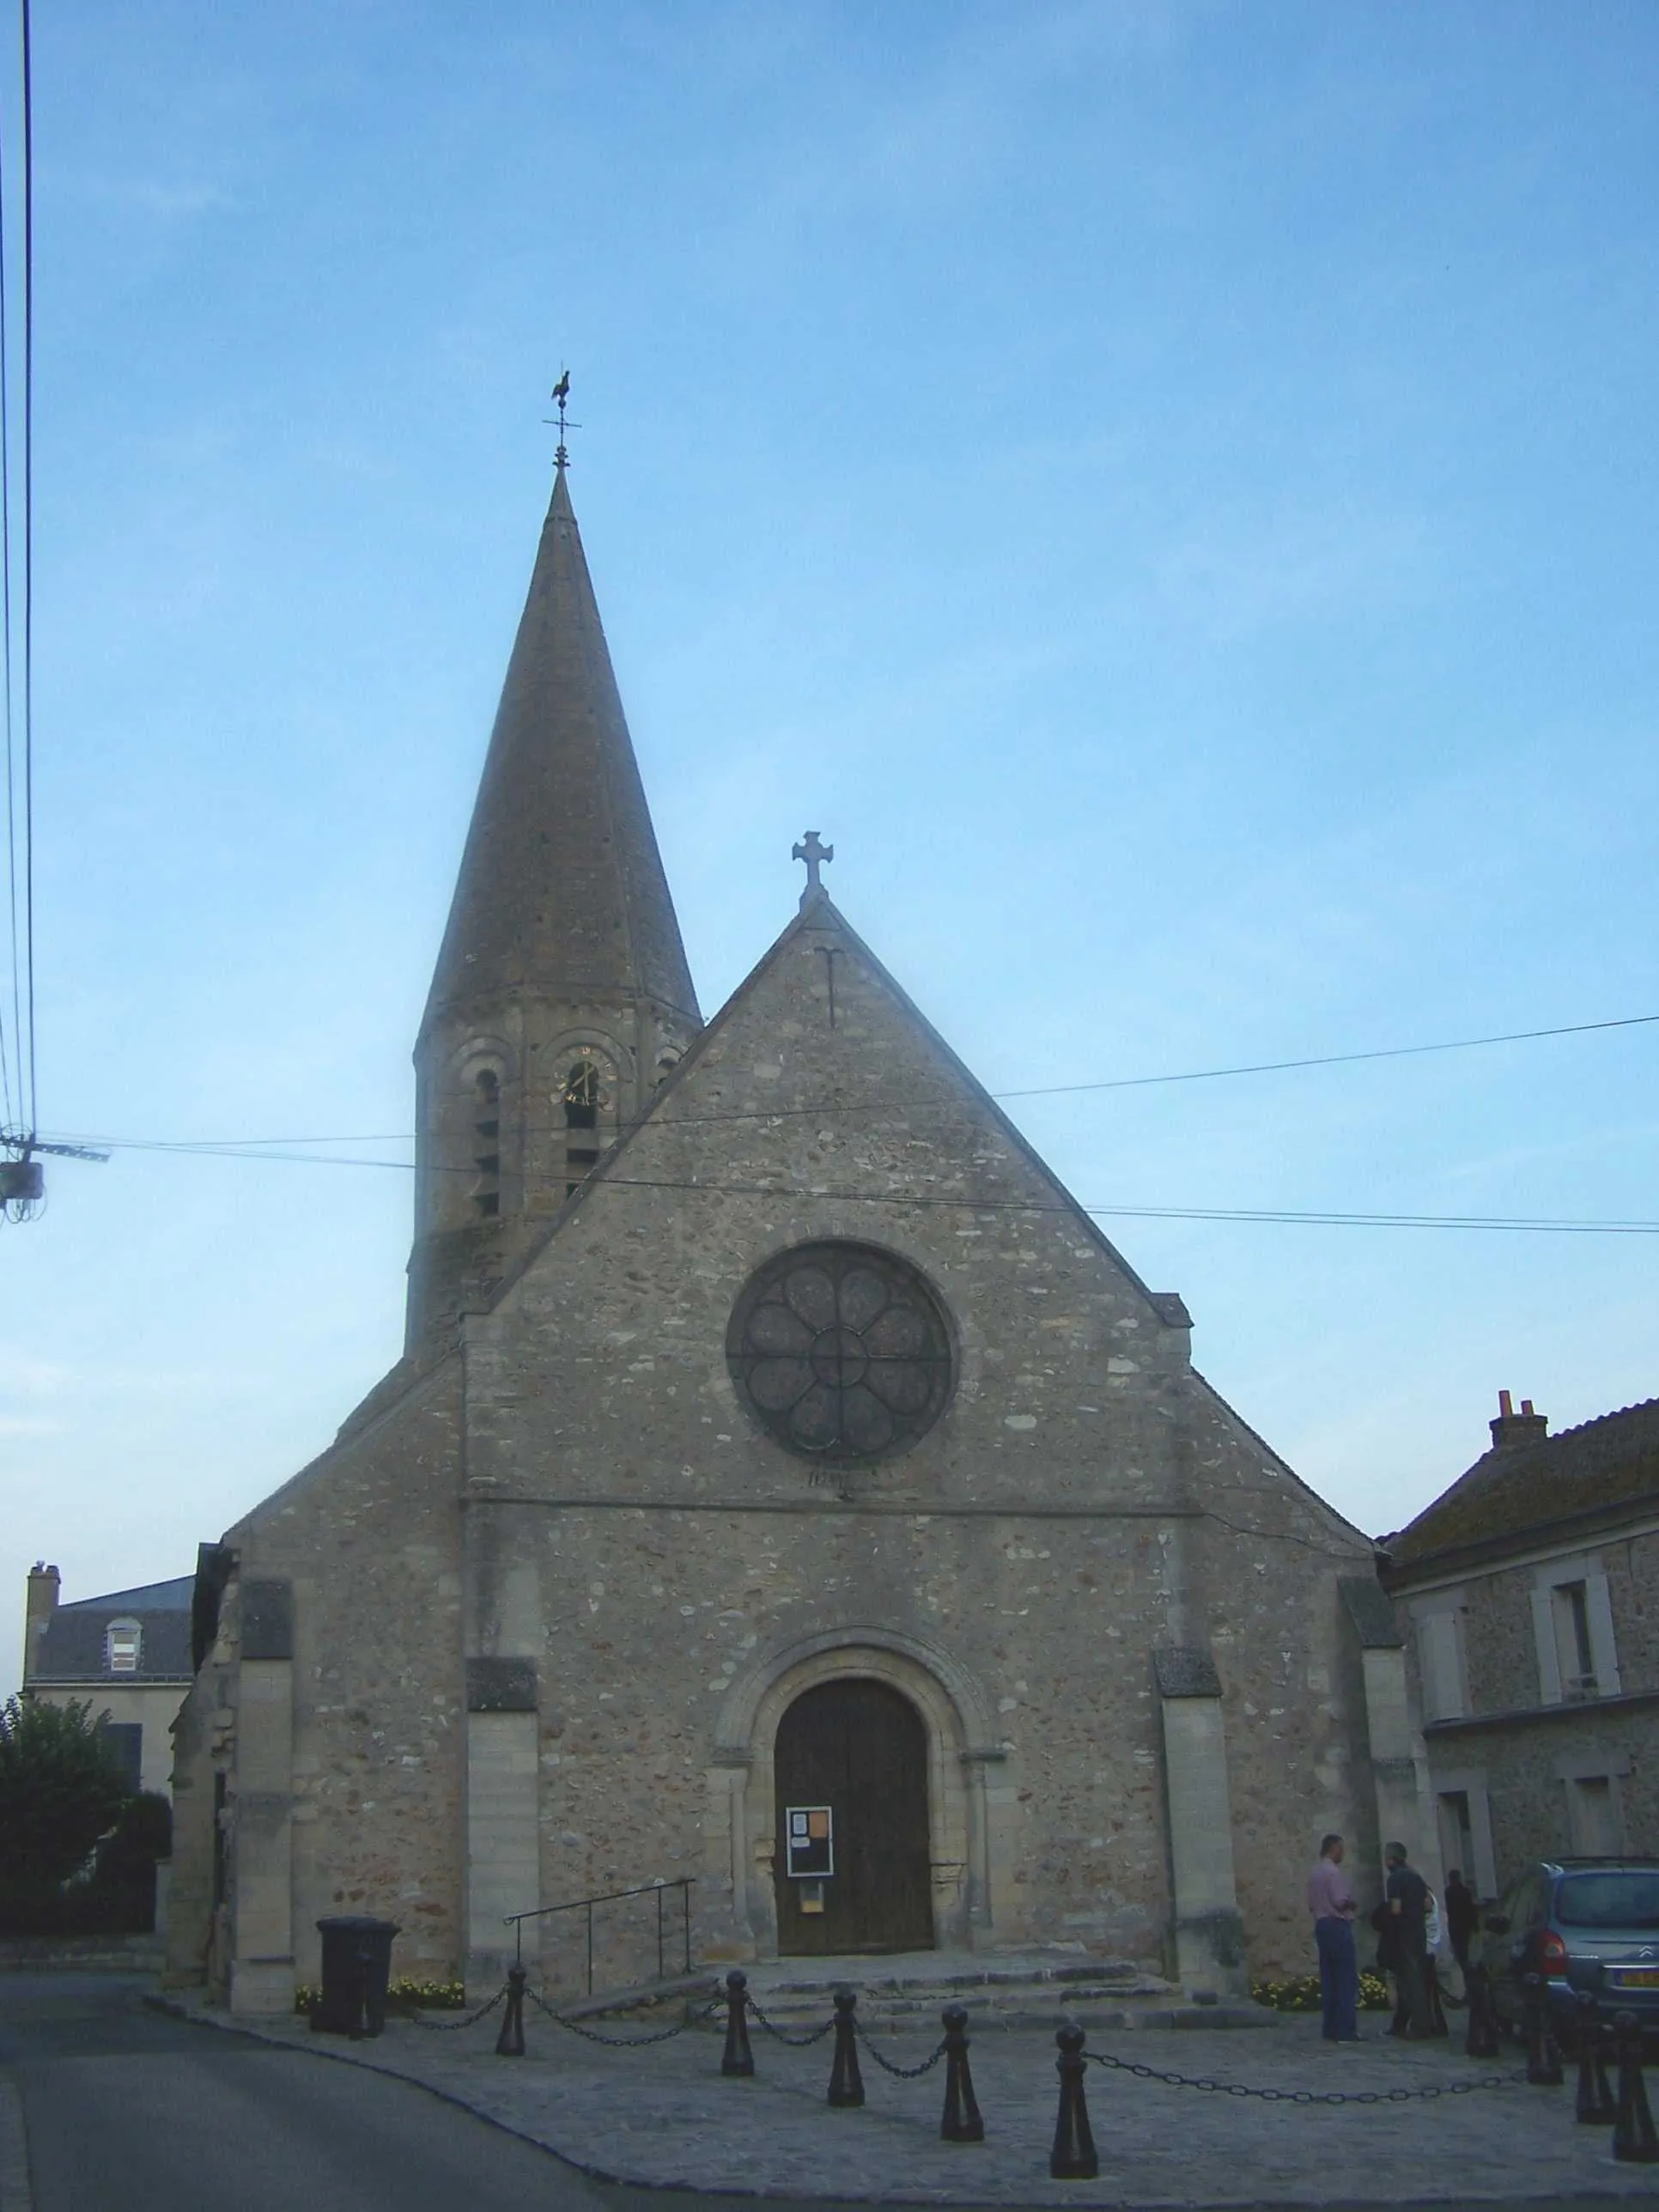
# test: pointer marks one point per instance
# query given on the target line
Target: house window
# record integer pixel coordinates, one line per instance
(1463, 1817)
(1570, 1606)
(126, 1740)
(123, 1647)
(1572, 1627)
(1594, 1825)
(1456, 1833)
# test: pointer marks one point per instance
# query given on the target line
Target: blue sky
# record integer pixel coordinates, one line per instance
(1166, 490)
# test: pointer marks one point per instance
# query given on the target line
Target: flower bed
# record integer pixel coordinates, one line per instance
(1300, 1993)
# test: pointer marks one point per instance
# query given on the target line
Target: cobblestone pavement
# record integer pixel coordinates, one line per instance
(663, 2116)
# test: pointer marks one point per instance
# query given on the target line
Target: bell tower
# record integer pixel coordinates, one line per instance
(561, 996)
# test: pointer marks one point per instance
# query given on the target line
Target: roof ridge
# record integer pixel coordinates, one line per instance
(1596, 1421)
(1537, 1482)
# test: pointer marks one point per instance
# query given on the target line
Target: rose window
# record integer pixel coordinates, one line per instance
(840, 1352)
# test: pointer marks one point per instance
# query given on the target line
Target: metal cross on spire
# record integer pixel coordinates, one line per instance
(815, 854)
(562, 392)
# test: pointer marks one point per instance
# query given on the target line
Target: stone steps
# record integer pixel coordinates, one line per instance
(1029, 1991)
(907, 1997)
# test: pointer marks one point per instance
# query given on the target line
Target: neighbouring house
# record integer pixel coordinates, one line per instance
(1531, 1587)
(786, 1484)
(128, 1653)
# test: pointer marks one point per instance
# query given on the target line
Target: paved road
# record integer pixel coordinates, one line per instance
(124, 2108)
(121, 2107)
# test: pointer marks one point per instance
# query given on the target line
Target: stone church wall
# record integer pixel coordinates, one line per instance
(343, 1781)
(1085, 1500)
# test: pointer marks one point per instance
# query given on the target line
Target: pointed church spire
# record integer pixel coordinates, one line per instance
(562, 887)
(562, 993)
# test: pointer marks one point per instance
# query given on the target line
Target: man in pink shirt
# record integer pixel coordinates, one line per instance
(1332, 1905)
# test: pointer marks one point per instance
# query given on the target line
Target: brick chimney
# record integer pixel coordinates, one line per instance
(1525, 1427)
(42, 1604)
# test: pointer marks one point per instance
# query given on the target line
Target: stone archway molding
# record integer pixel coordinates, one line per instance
(961, 1750)
(734, 1729)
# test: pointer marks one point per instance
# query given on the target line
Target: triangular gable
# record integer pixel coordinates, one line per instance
(882, 1134)
(820, 916)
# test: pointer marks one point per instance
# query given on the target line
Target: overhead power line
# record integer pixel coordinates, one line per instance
(269, 1148)
(18, 1066)
(1318, 1218)
(28, 562)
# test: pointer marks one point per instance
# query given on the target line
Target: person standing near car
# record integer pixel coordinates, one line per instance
(1407, 1896)
(1332, 1903)
(1463, 1918)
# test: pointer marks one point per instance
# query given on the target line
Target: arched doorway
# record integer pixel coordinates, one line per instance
(856, 1748)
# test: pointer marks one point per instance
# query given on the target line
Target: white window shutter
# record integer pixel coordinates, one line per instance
(1599, 1607)
(1543, 1631)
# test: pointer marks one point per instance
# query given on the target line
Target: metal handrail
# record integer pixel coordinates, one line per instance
(684, 1882)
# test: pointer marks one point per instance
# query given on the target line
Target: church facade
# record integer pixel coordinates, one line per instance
(785, 1485)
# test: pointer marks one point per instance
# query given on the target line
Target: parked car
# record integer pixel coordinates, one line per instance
(1582, 1924)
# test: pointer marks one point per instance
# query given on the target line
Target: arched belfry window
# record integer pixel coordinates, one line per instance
(487, 1143)
(588, 1099)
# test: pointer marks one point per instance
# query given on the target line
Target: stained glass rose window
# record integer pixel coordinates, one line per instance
(840, 1352)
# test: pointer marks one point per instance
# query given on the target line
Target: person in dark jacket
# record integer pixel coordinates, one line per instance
(1405, 1939)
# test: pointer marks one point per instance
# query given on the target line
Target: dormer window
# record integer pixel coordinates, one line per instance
(123, 1647)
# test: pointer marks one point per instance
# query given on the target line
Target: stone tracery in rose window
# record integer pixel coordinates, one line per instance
(841, 1352)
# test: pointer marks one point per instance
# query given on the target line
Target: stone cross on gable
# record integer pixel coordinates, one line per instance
(815, 854)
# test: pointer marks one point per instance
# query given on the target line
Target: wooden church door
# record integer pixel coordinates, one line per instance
(857, 1750)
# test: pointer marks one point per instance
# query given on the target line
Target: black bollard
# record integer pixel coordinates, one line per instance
(738, 2057)
(1543, 2068)
(1073, 2158)
(1482, 2040)
(1633, 2137)
(1596, 2103)
(509, 2043)
(961, 2122)
(846, 2082)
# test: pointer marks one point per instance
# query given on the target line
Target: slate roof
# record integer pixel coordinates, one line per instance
(561, 885)
(1519, 1489)
(71, 1647)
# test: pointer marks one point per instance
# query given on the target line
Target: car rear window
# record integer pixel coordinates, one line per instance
(1610, 1900)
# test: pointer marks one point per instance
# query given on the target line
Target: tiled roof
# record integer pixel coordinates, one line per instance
(1517, 1487)
(71, 1647)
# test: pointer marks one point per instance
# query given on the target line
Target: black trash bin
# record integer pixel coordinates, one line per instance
(356, 1969)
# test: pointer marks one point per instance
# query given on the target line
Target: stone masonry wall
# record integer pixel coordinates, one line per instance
(369, 1537)
(1085, 1498)
(1521, 1761)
